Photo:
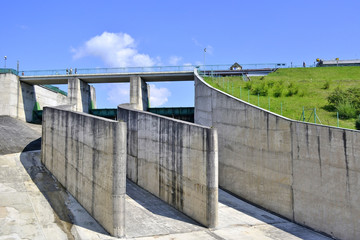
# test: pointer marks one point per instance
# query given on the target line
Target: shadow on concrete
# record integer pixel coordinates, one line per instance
(59, 199)
(254, 211)
(155, 205)
(32, 146)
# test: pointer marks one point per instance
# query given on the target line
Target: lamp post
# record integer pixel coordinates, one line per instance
(204, 57)
(5, 61)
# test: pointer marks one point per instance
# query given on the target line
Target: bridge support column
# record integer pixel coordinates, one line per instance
(81, 95)
(139, 93)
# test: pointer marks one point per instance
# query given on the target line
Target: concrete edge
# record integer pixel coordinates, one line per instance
(129, 107)
(64, 108)
(119, 178)
(212, 178)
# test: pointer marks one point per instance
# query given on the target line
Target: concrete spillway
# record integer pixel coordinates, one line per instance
(282, 165)
(34, 205)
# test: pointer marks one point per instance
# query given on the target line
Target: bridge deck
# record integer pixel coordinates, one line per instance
(111, 77)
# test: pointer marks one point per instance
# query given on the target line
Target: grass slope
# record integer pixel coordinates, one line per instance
(310, 88)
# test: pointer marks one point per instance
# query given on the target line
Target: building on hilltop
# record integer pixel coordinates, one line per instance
(337, 62)
(236, 66)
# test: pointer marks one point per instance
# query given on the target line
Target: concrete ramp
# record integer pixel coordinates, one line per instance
(34, 205)
(10, 131)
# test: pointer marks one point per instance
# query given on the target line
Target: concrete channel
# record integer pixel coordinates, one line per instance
(34, 205)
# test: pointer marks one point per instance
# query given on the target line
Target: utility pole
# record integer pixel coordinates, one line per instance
(5, 61)
(204, 57)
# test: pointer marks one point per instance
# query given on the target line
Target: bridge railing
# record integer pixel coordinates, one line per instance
(71, 71)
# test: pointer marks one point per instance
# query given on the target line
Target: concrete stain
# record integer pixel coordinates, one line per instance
(346, 162)
(319, 153)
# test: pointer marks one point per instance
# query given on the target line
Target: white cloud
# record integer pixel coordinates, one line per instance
(115, 49)
(118, 93)
(158, 96)
(174, 60)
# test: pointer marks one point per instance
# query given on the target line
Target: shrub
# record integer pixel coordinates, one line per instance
(248, 85)
(270, 83)
(301, 93)
(292, 90)
(326, 85)
(346, 110)
(336, 97)
(278, 90)
(351, 96)
(357, 123)
(260, 89)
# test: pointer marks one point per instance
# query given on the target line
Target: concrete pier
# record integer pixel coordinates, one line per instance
(80, 94)
(139, 93)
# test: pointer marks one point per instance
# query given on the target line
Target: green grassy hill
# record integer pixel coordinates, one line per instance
(287, 91)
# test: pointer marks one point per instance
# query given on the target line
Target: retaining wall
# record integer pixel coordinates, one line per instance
(308, 173)
(87, 155)
(174, 160)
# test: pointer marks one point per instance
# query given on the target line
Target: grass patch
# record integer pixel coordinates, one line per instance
(310, 88)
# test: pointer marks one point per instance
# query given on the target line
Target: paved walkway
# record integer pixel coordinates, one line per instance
(33, 205)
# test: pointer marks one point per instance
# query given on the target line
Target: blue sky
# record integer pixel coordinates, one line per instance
(89, 34)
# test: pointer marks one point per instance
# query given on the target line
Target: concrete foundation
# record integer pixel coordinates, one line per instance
(87, 155)
(305, 172)
(174, 160)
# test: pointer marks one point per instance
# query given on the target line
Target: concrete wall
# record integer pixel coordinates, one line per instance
(87, 155)
(174, 160)
(305, 172)
(18, 99)
(326, 179)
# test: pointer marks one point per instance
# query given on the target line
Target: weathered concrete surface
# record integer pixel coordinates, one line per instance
(18, 98)
(326, 172)
(33, 205)
(80, 94)
(305, 172)
(254, 149)
(139, 93)
(174, 160)
(11, 129)
(87, 155)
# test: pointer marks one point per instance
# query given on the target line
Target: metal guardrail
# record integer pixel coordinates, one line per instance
(8, 70)
(71, 71)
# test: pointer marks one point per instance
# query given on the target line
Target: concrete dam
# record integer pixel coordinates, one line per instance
(303, 172)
